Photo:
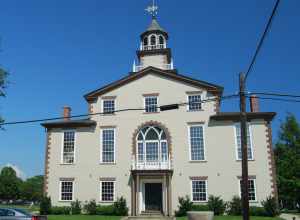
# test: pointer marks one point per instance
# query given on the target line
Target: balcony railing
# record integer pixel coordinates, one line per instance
(151, 165)
(153, 47)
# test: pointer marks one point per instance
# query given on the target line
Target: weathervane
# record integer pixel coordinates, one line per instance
(153, 9)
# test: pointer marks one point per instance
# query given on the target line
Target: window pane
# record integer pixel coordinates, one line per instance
(108, 106)
(239, 142)
(161, 40)
(68, 148)
(140, 152)
(151, 104)
(67, 191)
(197, 143)
(194, 102)
(152, 151)
(251, 189)
(164, 151)
(107, 191)
(108, 145)
(152, 135)
(199, 190)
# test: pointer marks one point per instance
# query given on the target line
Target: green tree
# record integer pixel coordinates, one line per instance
(9, 184)
(287, 157)
(3, 83)
(32, 189)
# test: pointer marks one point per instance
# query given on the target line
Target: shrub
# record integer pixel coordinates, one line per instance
(200, 208)
(120, 207)
(185, 205)
(105, 210)
(60, 210)
(45, 205)
(216, 204)
(257, 211)
(91, 207)
(235, 206)
(271, 207)
(76, 207)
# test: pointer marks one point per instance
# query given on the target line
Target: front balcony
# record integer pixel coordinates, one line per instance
(151, 165)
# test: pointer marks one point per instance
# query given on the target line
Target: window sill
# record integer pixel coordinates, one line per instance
(199, 110)
(107, 163)
(200, 201)
(106, 202)
(239, 160)
(67, 164)
(147, 113)
(65, 201)
(197, 161)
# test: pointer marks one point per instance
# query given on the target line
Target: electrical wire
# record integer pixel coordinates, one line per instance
(275, 94)
(278, 99)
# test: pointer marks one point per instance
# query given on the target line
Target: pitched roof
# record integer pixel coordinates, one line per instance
(154, 26)
(70, 123)
(235, 116)
(218, 90)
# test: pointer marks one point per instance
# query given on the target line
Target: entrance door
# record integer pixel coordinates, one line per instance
(153, 196)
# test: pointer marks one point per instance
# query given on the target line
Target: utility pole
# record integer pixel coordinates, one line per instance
(244, 186)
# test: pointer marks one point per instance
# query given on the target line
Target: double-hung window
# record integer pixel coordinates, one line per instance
(107, 191)
(108, 145)
(108, 106)
(68, 150)
(239, 144)
(196, 140)
(199, 190)
(151, 104)
(194, 102)
(66, 190)
(251, 189)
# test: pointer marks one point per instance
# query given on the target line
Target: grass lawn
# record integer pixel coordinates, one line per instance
(227, 217)
(82, 217)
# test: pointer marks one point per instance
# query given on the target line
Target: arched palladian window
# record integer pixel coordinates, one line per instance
(161, 40)
(152, 145)
(146, 41)
(153, 40)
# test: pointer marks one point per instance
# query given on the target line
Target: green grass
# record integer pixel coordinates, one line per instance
(228, 217)
(82, 217)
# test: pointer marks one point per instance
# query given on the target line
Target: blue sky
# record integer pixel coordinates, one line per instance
(58, 50)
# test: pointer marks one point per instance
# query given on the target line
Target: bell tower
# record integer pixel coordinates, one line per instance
(153, 46)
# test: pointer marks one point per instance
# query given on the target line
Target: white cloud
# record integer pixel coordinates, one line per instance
(19, 172)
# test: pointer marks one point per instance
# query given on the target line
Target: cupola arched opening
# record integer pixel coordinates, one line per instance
(145, 42)
(153, 40)
(161, 40)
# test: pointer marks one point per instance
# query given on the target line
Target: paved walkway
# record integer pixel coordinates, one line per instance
(289, 216)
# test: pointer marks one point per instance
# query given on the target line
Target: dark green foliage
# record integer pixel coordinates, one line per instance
(120, 207)
(257, 211)
(76, 207)
(235, 206)
(32, 189)
(10, 184)
(45, 206)
(216, 204)
(105, 210)
(91, 207)
(200, 208)
(185, 205)
(60, 210)
(270, 206)
(287, 157)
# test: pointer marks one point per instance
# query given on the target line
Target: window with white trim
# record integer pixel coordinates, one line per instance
(107, 191)
(196, 136)
(108, 145)
(66, 190)
(199, 190)
(239, 144)
(108, 106)
(151, 104)
(194, 102)
(68, 147)
(251, 189)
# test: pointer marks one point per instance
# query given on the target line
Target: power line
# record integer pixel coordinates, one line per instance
(278, 99)
(261, 41)
(275, 94)
(116, 111)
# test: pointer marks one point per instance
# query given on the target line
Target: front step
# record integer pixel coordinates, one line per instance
(149, 216)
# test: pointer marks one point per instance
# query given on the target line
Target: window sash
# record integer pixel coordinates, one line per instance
(239, 142)
(107, 191)
(151, 104)
(251, 189)
(194, 102)
(108, 146)
(108, 106)
(196, 136)
(199, 190)
(68, 151)
(66, 190)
